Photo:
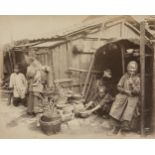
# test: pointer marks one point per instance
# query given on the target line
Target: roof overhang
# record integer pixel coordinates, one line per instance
(48, 44)
(131, 40)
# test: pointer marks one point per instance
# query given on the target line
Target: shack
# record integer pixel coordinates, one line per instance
(77, 56)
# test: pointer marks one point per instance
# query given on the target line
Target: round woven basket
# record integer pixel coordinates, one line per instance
(50, 126)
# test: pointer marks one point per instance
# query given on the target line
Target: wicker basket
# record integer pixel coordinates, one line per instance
(50, 126)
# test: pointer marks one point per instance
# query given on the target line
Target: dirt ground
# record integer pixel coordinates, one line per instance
(14, 123)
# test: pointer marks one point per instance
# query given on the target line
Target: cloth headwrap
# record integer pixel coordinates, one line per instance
(132, 65)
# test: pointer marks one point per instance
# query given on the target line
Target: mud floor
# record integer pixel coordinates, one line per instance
(14, 123)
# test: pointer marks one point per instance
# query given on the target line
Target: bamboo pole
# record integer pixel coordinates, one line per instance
(92, 61)
(88, 76)
(142, 69)
(83, 70)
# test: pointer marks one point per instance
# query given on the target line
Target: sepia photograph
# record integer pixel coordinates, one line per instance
(77, 76)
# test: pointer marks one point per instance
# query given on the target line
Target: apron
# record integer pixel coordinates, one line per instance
(124, 106)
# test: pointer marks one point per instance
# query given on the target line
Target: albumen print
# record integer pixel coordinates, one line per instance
(77, 76)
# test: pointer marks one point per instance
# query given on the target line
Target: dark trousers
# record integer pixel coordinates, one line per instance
(17, 101)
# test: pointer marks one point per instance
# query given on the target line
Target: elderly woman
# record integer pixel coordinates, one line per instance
(125, 105)
(36, 84)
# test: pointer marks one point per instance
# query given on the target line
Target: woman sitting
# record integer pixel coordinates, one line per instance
(125, 106)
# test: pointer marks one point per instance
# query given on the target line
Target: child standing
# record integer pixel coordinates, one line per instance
(18, 84)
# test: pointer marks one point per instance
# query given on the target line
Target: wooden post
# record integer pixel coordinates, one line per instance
(153, 110)
(123, 58)
(52, 69)
(1, 64)
(69, 61)
(142, 71)
(99, 41)
(122, 47)
(122, 29)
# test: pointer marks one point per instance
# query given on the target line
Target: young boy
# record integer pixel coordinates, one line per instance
(101, 103)
(102, 99)
(125, 105)
(18, 84)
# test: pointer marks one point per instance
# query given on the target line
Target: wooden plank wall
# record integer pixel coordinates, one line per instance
(43, 55)
(56, 59)
(79, 61)
(1, 63)
(128, 33)
(60, 61)
(61, 57)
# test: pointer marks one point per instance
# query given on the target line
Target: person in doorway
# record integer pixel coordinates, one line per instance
(125, 106)
(102, 99)
(107, 81)
(101, 103)
(18, 84)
